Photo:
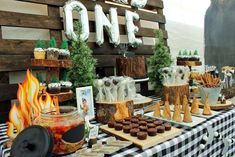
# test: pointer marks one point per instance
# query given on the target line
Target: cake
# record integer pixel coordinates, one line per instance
(134, 67)
(188, 56)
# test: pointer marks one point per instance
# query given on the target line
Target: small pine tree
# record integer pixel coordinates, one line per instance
(160, 59)
(64, 45)
(83, 71)
(40, 44)
(52, 43)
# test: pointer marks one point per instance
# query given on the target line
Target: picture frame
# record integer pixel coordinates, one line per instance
(85, 101)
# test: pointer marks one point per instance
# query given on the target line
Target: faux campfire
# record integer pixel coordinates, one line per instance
(30, 105)
(40, 122)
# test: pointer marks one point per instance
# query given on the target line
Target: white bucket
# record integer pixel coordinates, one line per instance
(213, 94)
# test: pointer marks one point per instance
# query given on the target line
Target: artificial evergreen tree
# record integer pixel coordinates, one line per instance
(83, 71)
(160, 59)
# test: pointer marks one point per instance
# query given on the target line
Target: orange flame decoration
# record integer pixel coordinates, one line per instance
(30, 105)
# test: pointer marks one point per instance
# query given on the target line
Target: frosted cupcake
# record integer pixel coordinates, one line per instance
(39, 52)
(52, 51)
(65, 86)
(64, 52)
(53, 88)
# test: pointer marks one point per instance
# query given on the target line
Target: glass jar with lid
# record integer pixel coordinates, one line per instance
(66, 127)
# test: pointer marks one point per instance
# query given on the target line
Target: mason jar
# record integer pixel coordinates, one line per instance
(67, 128)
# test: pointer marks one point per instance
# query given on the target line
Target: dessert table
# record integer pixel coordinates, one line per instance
(186, 144)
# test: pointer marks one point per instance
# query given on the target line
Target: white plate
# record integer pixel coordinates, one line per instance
(196, 120)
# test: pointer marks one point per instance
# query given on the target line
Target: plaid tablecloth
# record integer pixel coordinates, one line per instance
(184, 145)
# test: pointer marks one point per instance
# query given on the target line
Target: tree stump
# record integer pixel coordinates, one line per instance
(172, 91)
(107, 111)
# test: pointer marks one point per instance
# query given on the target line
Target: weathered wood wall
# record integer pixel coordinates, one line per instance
(15, 53)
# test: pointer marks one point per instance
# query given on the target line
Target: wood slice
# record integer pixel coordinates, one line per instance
(218, 106)
(189, 63)
(107, 111)
(173, 90)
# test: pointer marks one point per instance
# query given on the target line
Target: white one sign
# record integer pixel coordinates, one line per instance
(102, 23)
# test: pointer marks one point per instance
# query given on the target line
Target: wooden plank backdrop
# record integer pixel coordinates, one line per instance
(16, 53)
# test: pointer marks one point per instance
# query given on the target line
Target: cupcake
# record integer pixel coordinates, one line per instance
(39, 52)
(52, 51)
(54, 87)
(65, 86)
(63, 51)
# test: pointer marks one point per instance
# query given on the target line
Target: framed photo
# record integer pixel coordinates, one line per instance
(85, 102)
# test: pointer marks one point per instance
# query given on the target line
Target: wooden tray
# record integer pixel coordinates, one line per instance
(217, 107)
(143, 144)
(196, 120)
